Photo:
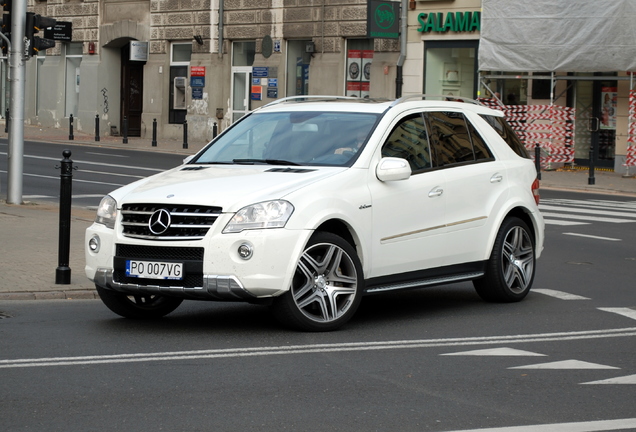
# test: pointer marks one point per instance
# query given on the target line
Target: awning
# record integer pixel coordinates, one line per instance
(558, 35)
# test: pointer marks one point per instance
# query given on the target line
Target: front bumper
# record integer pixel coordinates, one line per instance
(214, 288)
(219, 273)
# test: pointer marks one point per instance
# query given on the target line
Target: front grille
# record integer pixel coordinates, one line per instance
(187, 222)
(191, 257)
(159, 253)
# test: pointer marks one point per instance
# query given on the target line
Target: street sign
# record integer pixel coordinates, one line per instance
(62, 31)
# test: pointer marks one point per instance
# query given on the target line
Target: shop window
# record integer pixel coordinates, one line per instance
(243, 53)
(298, 67)
(180, 55)
(358, 73)
(242, 61)
(73, 55)
(39, 80)
(450, 68)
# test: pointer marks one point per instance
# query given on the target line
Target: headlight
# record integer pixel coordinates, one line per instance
(270, 214)
(107, 212)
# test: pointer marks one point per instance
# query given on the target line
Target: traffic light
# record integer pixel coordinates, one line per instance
(6, 25)
(35, 23)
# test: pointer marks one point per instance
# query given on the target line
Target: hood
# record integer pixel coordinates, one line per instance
(228, 186)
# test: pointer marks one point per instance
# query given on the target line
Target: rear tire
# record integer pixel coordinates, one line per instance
(326, 287)
(510, 269)
(140, 306)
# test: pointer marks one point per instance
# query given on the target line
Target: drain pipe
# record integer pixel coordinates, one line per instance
(399, 79)
(221, 12)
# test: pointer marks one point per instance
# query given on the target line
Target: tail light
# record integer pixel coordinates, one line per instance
(535, 190)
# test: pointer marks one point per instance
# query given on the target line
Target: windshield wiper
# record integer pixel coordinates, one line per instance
(265, 161)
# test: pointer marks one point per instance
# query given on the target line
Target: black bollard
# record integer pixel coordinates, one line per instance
(97, 127)
(591, 180)
(71, 137)
(125, 130)
(154, 132)
(537, 159)
(185, 134)
(214, 130)
(63, 271)
(6, 120)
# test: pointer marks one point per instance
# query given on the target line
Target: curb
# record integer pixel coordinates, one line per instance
(51, 295)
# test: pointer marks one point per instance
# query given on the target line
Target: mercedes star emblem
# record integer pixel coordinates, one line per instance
(159, 222)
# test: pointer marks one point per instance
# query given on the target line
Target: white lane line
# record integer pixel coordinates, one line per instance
(106, 154)
(591, 426)
(559, 294)
(94, 163)
(586, 218)
(565, 364)
(112, 174)
(592, 236)
(74, 180)
(317, 348)
(629, 206)
(563, 223)
(629, 379)
(591, 212)
(627, 312)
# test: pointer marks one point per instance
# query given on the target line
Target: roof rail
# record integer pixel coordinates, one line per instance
(427, 96)
(304, 98)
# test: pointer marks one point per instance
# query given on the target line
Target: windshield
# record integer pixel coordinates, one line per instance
(292, 138)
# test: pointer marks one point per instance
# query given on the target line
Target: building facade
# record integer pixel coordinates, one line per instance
(131, 62)
(208, 62)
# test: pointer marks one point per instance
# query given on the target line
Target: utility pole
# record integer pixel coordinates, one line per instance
(17, 76)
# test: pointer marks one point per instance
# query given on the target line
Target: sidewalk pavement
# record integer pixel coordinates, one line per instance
(29, 233)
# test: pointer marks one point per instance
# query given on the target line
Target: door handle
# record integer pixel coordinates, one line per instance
(592, 125)
(435, 192)
(496, 178)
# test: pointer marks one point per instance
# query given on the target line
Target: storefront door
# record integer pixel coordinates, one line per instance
(595, 122)
(132, 91)
(241, 81)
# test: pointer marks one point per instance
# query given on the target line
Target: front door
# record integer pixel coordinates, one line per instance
(241, 86)
(595, 122)
(132, 90)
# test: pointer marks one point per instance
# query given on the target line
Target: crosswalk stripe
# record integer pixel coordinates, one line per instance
(563, 222)
(559, 294)
(627, 312)
(585, 218)
(629, 379)
(587, 211)
(565, 364)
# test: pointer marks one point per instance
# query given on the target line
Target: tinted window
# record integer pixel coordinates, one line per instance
(482, 152)
(450, 138)
(509, 136)
(409, 140)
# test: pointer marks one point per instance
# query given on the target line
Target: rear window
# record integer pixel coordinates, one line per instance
(509, 136)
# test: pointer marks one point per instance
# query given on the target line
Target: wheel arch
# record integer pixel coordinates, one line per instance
(344, 230)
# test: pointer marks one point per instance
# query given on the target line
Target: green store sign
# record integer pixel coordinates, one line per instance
(453, 21)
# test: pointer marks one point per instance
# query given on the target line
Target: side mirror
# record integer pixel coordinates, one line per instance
(391, 169)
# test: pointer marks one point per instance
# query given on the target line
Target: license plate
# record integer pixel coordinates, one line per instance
(154, 270)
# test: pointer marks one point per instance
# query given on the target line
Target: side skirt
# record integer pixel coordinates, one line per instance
(424, 278)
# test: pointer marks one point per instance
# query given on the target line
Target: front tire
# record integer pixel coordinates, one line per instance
(510, 269)
(139, 306)
(326, 287)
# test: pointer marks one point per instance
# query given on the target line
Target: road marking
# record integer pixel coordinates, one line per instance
(629, 313)
(317, 348)
(95, 163)
(106, 154)
(586, 218)
(495, 352)
(74, 180)
(586, 211)
(565, 364)
(592, 237)
(591, 426)
(112, 174)
(559, 294)
(629, 379)
(563, 223)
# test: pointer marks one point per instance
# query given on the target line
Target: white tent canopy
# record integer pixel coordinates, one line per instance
(558, 35)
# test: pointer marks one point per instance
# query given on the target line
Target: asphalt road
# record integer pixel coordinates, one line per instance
(436, 359)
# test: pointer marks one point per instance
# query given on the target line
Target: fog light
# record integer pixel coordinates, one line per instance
(245, 251)
(94, 243)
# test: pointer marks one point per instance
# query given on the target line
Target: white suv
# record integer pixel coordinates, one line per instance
(310, 203)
